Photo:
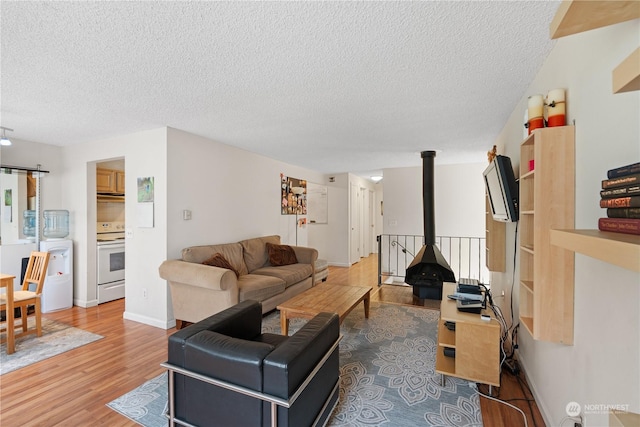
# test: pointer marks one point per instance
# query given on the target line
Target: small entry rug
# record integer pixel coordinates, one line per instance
(56, 338)
(387, 375)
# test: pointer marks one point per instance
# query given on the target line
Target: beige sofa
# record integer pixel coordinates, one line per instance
(198, 290)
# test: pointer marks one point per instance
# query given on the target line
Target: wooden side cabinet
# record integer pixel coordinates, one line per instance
(495, 241)
(547, 201)
(476, 343)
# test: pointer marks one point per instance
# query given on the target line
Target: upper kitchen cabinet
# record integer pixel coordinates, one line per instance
(120, 182)
(109, 181)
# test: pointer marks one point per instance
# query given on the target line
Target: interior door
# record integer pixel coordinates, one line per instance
(371, 208)
(354, 241)
(366, 230)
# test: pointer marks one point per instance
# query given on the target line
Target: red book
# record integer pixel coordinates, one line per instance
(621, 202)
(620, 225)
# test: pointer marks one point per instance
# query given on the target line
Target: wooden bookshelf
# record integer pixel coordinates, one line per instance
(576, 16)
(626, 76)
(619, 249)
(547, 201)
(623, 419)
(495, 241)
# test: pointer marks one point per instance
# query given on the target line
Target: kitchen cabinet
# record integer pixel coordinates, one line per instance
(109, 181)
(120, 182)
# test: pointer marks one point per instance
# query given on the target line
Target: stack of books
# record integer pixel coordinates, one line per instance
(620, 195)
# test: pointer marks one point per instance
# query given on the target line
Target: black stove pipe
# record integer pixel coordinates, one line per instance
(428, 203)
(429, 269)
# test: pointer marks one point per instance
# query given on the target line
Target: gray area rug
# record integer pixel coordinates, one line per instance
(56, 338)
(387, 375)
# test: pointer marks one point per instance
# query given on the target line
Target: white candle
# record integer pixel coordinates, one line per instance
(555, 102)
(535, 106)
(556, 107)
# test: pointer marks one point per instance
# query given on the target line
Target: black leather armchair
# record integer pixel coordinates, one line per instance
(223, 371)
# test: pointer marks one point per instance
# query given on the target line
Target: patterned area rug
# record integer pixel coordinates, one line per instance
(387, 375)
(56, 338)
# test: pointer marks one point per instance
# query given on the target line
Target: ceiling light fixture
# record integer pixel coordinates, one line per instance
(4, 140)
(376, 178)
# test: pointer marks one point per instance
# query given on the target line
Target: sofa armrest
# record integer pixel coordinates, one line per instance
(198, 291)
(203, 276)
(286, 367)
(305, 255)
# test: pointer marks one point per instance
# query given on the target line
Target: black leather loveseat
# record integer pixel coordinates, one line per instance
(223, 371)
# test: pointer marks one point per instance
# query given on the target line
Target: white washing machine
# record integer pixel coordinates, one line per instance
(57, 293)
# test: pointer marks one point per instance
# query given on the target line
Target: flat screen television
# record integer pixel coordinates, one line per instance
(502, 189)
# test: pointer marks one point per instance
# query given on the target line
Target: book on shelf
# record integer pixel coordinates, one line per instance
(629, 190)
(620, 225)
(621, 181)
(623, 213)
(621, 202)
(623, 170)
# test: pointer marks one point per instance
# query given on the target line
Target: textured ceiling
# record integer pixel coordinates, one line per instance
(331, 86)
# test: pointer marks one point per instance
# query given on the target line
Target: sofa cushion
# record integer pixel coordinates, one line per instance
(281, 254)
(291, 274)
(231, 251)
(258, 287)
(218, 260)
(255, 251)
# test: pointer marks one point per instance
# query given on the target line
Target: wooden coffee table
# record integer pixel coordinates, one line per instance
(340, 299)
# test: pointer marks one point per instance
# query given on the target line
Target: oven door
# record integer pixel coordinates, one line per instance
(110, 263)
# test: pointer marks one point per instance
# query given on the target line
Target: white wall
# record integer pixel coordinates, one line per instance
(332, 239)
(145, 156)
(603, 366)
(233, 194)
(459, 200)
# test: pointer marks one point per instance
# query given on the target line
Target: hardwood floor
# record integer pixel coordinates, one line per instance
(72, 389)
(514, 390)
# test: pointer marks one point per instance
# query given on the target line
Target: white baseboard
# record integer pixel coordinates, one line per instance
(338, 264)
(541, 405)
(85, 303)
(149, 320)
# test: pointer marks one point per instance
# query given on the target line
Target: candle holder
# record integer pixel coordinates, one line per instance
(535, 108)
(556, 108)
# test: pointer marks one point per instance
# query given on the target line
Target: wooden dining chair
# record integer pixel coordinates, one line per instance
(31, 293)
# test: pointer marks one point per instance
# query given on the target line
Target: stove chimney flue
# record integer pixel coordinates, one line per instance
(428, 200)
(429, 268)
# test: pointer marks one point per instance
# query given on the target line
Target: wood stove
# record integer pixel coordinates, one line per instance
(429, 269)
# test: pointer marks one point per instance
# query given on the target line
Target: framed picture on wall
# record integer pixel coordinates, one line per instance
(293, 196)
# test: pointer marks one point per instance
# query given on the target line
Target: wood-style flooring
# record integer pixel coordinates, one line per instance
(72, 389)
